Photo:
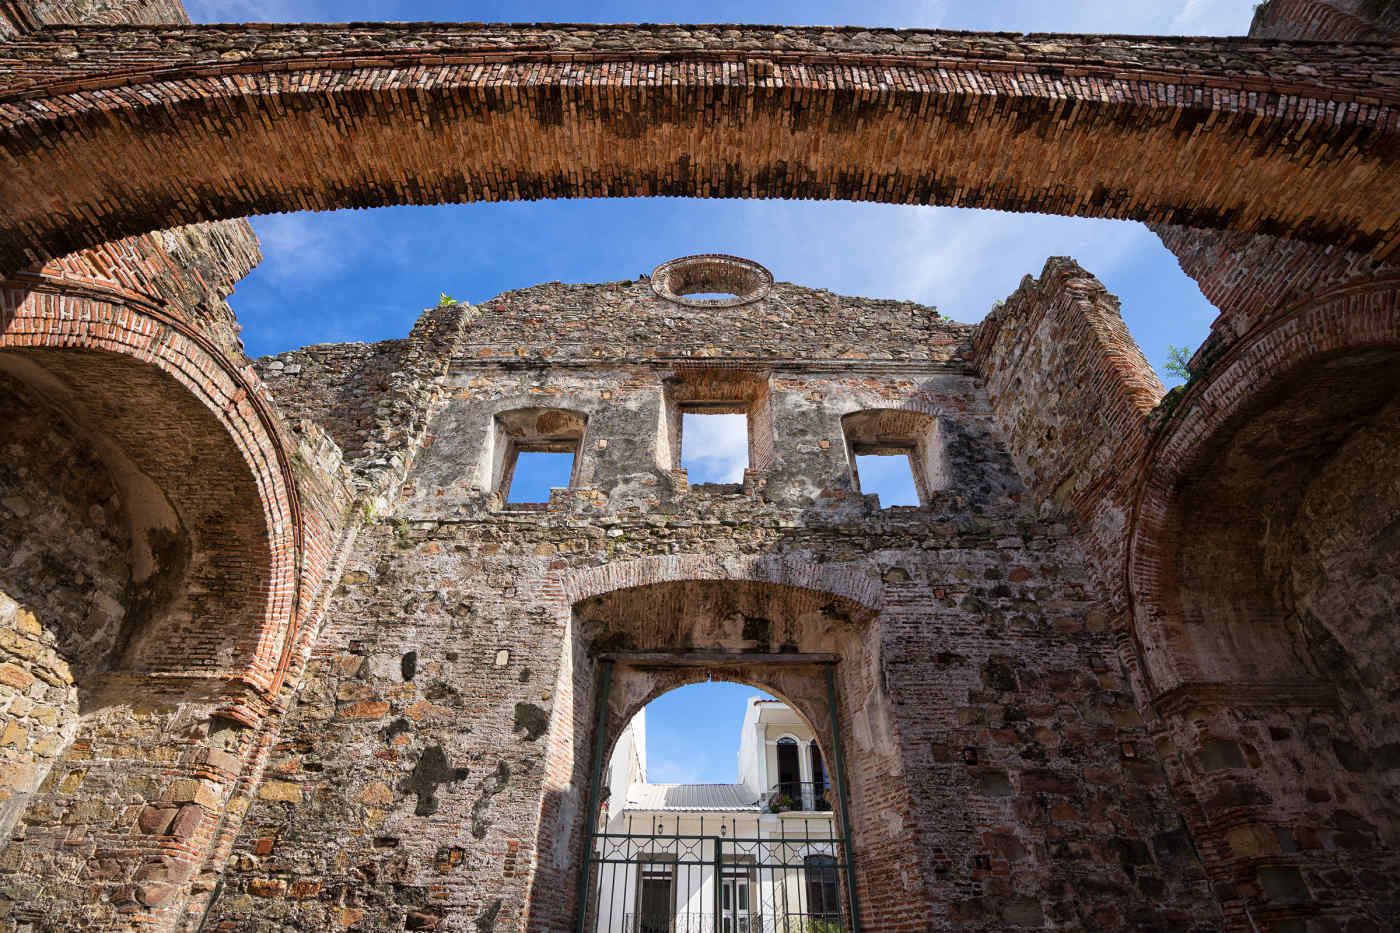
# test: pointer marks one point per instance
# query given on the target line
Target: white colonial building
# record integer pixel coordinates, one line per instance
(772, 835)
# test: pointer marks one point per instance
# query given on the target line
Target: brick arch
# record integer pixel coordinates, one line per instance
(657, 604)
(862, 589)
(120, 344)
(1266, 382)
(257, 119)
(1264, 611)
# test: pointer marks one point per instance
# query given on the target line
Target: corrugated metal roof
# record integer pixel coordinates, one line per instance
(690, 797)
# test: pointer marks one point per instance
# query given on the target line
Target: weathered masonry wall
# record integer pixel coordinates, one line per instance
(434, 772)
(166, 538)
(65, 582)
(1263, 668)
(1072, 392)
(1198, 132)
(1126, 668)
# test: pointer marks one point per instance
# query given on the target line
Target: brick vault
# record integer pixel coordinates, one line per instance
(277, 651)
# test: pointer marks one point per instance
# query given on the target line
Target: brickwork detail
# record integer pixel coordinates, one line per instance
(273, 654)
(1186, 131)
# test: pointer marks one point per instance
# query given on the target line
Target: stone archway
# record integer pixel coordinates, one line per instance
(762, 607)
(1265, 620)
(1198, 132)
(181, 644)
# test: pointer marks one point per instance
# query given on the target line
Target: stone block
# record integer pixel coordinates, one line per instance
(1284, 885)
(365, 709)
(16, 677)
(1252, 840)
(155, 819)
(267, 887)
(187, 821)
(14, 736)
(280, 792)
(376, 794)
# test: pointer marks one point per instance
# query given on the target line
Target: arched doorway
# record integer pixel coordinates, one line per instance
(685, 841)
(808, 646)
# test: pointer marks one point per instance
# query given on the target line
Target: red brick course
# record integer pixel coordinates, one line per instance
(1187, 131)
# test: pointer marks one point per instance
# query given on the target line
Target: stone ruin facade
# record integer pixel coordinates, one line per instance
(276, 654)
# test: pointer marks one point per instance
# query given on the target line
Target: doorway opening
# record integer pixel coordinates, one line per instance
(716, 817)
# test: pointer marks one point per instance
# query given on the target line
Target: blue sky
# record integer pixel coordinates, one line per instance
(693, 733)
(367, 275)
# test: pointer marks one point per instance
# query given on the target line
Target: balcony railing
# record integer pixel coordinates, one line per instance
(798, 796)
(741, 922)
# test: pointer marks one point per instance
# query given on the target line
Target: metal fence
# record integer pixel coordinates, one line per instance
(814, 796)
(792, 880)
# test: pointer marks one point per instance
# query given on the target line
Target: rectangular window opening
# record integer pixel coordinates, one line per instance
(890, 475)
(715, 444)
(535, 472)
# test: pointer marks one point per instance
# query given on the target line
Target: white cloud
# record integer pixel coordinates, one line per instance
(302, 250)
(958, 260)
(715, 448)
(1213, 18)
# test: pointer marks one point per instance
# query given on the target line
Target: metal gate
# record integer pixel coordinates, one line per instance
(792, 877)
(710, 880)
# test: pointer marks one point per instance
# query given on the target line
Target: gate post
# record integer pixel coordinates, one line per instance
(599, 744)
(845, 800)
(719, 883)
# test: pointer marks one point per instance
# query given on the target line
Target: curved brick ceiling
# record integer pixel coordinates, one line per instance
(110, 132)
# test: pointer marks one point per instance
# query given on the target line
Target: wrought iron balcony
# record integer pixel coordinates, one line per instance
(798, 796)
(741, 922)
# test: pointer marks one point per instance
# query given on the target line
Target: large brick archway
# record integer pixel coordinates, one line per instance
(205, 123)
(1264, 612)
(37, 321)
(211, 609)
(688, 603)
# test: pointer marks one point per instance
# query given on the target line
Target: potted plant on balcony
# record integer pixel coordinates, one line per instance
(779, 803)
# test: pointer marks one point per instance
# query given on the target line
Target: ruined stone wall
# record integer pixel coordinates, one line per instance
(627, 320)
(371, 400)
(1266, 492)
(64, 585)
(1072, 393)
(433, 771)
(1331, 563)
(188, 270)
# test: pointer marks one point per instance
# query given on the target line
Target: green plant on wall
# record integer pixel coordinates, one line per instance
(1177, 360)
(445, 300)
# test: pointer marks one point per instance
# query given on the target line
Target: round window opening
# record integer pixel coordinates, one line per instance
(712, 280)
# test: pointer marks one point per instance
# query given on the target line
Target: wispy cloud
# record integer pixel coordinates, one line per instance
(303, 250)
(692, 769)
(715, 448)
(1213, 18)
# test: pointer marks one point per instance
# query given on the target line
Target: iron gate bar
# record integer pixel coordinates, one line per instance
(837, 859)
(840, 764)
(801, 894)
(598, 737)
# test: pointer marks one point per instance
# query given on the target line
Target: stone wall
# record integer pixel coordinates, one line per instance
(628, 321)
(434, 769)
(1072, 393)
(1330, 565)
(65, 581)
